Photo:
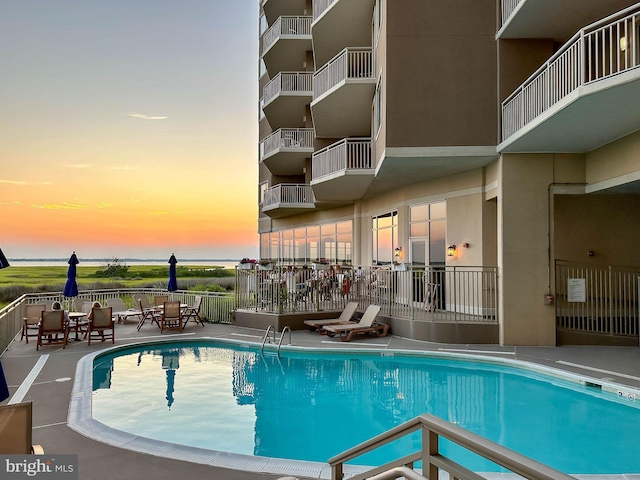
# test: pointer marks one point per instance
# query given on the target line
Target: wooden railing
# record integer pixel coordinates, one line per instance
(351, 63)
(346, 154)
(595, 53)
(288, 82)
(433, 429)
(287, 26)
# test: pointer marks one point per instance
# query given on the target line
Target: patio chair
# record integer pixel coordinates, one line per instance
(159, 300)
(16, 430)
(120, 312)
(147, 312)
(100, 323)
(30, 321)
(344, 318)
(367, 324)
(53, 329)
(171, 317)
(193, 312)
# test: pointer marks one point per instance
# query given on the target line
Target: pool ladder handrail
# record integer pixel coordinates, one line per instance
(266, 336)
(286, 328)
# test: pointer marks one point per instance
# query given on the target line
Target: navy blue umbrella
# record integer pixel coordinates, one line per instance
(173, 282)
(71, 287)
(4, 263)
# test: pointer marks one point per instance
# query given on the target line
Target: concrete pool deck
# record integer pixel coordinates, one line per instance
(46, 378)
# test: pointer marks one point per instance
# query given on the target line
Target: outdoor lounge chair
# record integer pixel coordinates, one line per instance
(15, 430)
(120, 312)
(31, 320)
(171, 317)
(147, 312)
(344, 318)
(193, 312)
(100, 323)
(367, 324)
(53, 329)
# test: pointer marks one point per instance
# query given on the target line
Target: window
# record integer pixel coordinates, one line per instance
(427, 233)
(262, 188)
(385, 238)
(377, 21)
(377, 108)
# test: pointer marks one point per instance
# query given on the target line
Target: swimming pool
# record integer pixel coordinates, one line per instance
(313, 405)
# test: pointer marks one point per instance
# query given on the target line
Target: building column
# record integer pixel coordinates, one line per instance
(523, 250)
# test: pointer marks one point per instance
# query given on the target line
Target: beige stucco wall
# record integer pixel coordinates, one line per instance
(440, 73)
(523, 251)
(465, 225)
(615, 161)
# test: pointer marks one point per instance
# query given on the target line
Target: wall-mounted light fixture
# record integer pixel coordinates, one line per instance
(465, 245)
(398, 251)
(451, 251)
(4, 263)
(623, 44)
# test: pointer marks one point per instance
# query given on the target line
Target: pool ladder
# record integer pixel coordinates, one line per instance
(273, 330)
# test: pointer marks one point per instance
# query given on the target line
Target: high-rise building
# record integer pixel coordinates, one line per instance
(496, 137)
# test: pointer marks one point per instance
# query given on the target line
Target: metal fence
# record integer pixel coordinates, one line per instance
(215, 307)
(597, 299)
(286, 26)
(351, 63)
(288, 82)
(439, 294)
(343, 155)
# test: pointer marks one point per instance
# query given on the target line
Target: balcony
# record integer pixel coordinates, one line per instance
(285, 151)
(343, 92)
(285, 98)
(285, 44)
(338, 24)
(554, 19)
(287, 199)
(581, 98)
(342, 171)
(277, 8)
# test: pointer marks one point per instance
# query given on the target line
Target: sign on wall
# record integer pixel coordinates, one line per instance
(576, 290)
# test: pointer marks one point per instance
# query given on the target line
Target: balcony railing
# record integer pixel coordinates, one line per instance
(289, 82)
(288, 194)
(301, 138)
(506, 9)
(294, 26)
(351, 63)
(320, 6)
(347, 154)
(597, 52)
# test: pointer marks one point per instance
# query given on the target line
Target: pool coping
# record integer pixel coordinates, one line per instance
(80, 417)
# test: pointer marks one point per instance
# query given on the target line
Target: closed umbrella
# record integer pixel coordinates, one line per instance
(4, 263)
(71, 287)
(173, 282)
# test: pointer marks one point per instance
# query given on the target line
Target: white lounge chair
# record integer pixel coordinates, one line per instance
(345, 317)
(120, 312)
(367, 324)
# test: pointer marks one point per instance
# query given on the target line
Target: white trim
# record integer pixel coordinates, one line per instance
(613, 182)
(430, 152)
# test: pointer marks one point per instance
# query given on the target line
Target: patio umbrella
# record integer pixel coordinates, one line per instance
(173, 282)
(71, 287)
(4, 263)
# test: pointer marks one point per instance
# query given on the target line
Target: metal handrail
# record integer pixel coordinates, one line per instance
(432, 428)
(286, 327)
(266, 335)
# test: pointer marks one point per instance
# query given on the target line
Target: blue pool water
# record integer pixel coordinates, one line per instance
(312, 406)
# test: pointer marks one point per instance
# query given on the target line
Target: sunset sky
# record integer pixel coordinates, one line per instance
(128, 128)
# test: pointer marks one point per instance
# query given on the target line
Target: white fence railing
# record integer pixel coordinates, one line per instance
(597, 52)
(597, 299)
(288, 82)
(346, 154)
(447, 294)
(351, 63)
(320, 6)
(288, 138)
(286, 27)
(506, 9)
(288, 194)
(215, 307)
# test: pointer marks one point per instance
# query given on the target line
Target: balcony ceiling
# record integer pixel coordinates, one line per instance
(590, 117)
(405, 166)
(558, 19)
(345, 186)
(279, 8)
(287, 54)
(287, 110)
(346, 23)
(345, 110)
(287, 161)
(281, 210)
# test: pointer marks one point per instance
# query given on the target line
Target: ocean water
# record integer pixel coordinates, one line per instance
(95, 262)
